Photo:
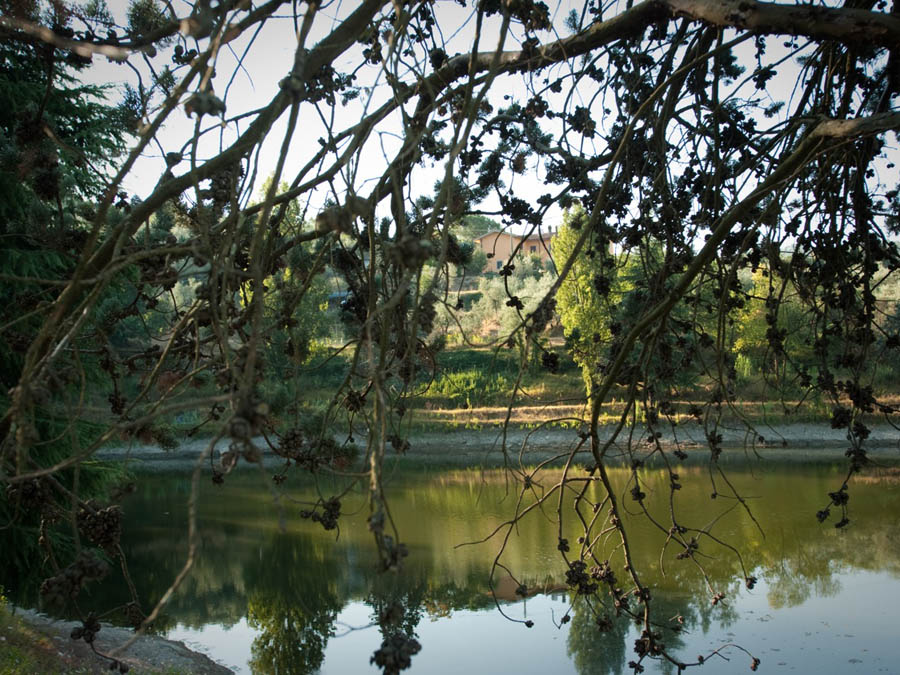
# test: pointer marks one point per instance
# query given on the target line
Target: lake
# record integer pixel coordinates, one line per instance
(273, 592)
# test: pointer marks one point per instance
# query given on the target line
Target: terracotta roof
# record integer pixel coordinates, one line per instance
(487, 233)
(537, 236)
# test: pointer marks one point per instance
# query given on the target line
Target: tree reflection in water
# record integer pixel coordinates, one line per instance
(293, 598)
(398, 605)
(291, 586)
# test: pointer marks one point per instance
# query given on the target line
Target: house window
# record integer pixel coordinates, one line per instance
(534, 249)
(499, 264)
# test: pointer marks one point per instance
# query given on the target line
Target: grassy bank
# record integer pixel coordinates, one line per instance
(23, 649)
(32, 644)
(469, 389)
(530, 415)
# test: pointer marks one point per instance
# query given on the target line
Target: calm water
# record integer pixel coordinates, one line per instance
(306, 600)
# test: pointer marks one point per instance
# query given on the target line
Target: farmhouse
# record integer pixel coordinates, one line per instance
(501, 246)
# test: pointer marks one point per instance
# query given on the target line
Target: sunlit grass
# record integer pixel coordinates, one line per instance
(564, 415)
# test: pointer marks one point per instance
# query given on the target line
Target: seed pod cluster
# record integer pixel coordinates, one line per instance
(328, 517)
(204, 103)
(354, 401)
(410, 252)
(541, 316)
(395, 653)
(133, 615)
(32, 496)
(578, 578)
(401, 445)
(291, 444)
(119, 666)
(88, 630)
(427, 312)
(550, 361)
(59, 589)
(102, 527)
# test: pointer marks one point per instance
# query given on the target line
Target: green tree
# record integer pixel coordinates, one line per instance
(586, 298)
(505, 300)
(604, 294)
(475, 225)
(58, 140)
(773, 332)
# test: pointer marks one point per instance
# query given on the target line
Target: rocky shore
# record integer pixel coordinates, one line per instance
(148, 654)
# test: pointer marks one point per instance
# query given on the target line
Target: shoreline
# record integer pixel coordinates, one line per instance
(484, 447)
(148, 654)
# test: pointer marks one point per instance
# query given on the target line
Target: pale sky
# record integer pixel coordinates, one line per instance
(271, 56)
(267, 61)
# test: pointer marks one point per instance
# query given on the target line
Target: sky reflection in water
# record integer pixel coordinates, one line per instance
(259, 600)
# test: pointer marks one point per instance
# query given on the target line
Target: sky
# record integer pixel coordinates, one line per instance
(255, 82)
(268, 56)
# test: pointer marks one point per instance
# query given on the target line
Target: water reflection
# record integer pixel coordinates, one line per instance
(292, 585)
(292, 601)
